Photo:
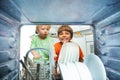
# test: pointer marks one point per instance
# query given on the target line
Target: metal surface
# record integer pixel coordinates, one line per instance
(103, 15)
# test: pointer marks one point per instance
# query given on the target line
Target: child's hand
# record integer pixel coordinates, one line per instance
(55, 55)
(36, 55)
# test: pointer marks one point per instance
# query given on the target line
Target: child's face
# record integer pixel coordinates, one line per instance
(64, 36)
(43, 31)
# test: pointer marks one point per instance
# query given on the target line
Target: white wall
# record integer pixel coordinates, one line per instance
(29, 30)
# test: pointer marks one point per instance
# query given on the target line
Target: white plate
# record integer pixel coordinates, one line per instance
(69, 53)
(95, 67)
(83, 71)
(73, 72)
(64, 71)
(68, 71)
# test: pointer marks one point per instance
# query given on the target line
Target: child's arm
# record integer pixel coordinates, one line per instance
(35, 55)
(81, 55)
(54, 54)
(81, 59)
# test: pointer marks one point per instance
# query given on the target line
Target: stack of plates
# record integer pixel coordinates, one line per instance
(75, 71)
(83, 71)
(69, 53)
(71, 69)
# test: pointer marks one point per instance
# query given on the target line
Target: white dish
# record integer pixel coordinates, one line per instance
(69, 53)
(69, 71)
(95, 67)
(73, 72)
(83, 71)
(63, 71)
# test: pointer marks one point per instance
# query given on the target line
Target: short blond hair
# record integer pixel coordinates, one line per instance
(38, 26)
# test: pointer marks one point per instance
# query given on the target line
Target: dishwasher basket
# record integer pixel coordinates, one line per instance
(37, 71)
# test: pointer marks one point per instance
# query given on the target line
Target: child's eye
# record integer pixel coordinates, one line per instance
(67, 33)
(42, 29)
(47, 29)
(60, 33)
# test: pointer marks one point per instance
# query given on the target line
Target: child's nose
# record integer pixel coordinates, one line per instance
(64, 35)
(45, 30)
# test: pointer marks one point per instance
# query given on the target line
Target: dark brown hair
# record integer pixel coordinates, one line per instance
(65, 28)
